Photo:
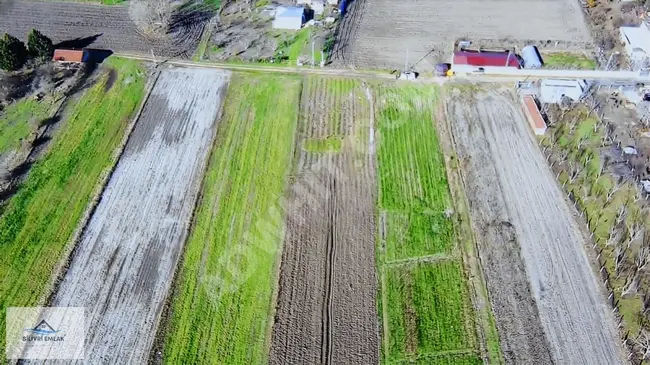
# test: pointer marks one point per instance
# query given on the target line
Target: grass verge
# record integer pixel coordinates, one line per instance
(568, 60)
(20, 119)
(37, 223)
(223, 295)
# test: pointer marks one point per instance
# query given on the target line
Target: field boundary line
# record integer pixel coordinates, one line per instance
(268, 337)
(69, 252)
(485, 325)
(430, 259)
(441, 353)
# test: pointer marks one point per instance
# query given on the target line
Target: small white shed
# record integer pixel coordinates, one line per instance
(289, 17)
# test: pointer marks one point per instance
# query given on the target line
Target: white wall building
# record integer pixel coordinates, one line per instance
(289, 17)
(553, 90)
(637, 43)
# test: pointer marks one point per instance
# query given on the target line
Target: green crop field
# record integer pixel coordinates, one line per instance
(37, 223)
(425, 304)
(412, 177)
(428, 309)
(223, 295)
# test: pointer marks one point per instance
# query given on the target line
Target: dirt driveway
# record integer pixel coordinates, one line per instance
(123, 266)
(526, 229)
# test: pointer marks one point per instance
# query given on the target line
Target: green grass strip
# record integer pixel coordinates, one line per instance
(568, 60)
(330, 144)
(223, 297)
(37, 223)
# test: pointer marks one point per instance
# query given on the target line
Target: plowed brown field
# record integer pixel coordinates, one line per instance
(326, 309)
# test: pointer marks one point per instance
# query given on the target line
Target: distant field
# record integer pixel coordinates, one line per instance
(37, 223)
(222, 302)
(384, 33)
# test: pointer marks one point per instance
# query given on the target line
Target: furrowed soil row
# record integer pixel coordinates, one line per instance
(127, 255)
(328, 257)
(547, 303)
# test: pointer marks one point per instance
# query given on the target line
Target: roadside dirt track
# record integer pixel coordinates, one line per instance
(124, 263)
(326, 308)
(525, 226)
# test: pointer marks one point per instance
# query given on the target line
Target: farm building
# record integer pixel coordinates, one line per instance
(533, 115)
(637, 43)
(289, 17)
(473, 61)
(531, 57)
(553, 90)
(70, 55)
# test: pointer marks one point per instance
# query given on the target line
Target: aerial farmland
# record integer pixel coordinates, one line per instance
(281, 214)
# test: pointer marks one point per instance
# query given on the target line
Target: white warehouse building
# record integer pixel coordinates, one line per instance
(637, 43)
(289, 17)
(553, 90)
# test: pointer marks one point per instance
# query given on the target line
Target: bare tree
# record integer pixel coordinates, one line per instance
(617, 186)
(632, 283)
(619, 258)
(642, 342)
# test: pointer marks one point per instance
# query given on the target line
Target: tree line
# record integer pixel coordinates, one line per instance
(14, 53)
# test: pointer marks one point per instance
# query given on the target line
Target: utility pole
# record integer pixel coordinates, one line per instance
(313, 60)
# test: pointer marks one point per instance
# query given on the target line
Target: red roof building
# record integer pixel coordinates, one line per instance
(495, 59)
(534, 116)
(69, 55)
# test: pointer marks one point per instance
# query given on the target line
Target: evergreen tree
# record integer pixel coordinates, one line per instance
(39, 45)
(13, 53)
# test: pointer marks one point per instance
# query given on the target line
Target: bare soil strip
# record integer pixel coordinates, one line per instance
(326, 310)
(123, 266)
(540, 282)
